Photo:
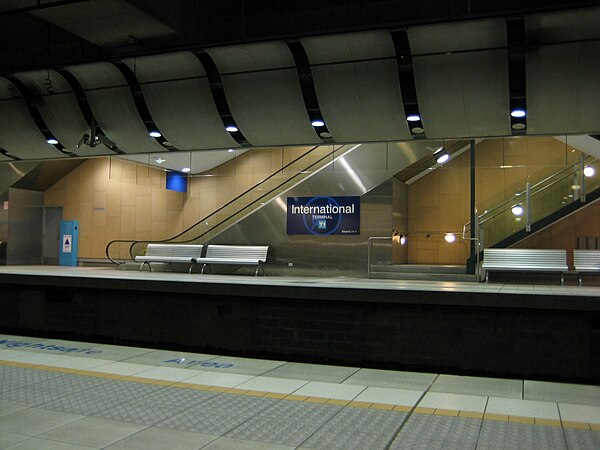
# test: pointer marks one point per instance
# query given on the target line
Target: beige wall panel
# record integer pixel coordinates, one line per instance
(226, 190)
(515, 180)
(142, 214)
(243, 182)
(588, 221)
(113, 227)
(55, 196)
(174, 222)
(127, 222)
(158, 230)
(449, 220)
(158, 208)
(413, 201)
(143, 189)
(428, 243)
(174, 200)
(115, 169)
(428, 257)
(98, 218)
(243, 169)
(449, 179)
(412, 252)
(99, 241)
(84, 215)
(429, 190)
(128, 193)
(209, 182)
(191, 214)
(194, 190)
(209, 202)
(99, 199)
(428, 219)
(488, 153)
(450, 253)
(85, 247)
(113, 199)
(72, 193)
(489, 182)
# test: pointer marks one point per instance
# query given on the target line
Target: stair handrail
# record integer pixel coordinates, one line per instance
(135, 241)
(511, 201)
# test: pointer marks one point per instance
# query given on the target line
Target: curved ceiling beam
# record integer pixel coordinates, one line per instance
(218, 94)
(5, 152)
(142, 107)
(515, 38)
(30, 100)
(97, 135)
(309, 93)
(407, 83)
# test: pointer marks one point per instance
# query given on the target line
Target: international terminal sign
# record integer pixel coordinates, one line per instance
(323, 215)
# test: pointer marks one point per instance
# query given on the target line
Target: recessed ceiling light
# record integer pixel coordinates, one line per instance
(159, 160)
(154, 134)
(186, 169)
(231, 150)
(325, 134)
(518, 126)
(413, 117)
(443, 158)
(52, 141)
(231, 128)
(317, 123)
(518, 112)
(417, 130)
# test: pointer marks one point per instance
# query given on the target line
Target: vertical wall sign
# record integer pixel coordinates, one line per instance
(323, 215)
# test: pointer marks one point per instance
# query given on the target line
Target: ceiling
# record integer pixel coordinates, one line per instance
(459, 63)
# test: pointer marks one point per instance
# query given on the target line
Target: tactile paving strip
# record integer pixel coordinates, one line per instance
(218, 414)
(429, 431)
(582, 439)
(506, 435)
(285, 422)
(270, 418)
(358, 428)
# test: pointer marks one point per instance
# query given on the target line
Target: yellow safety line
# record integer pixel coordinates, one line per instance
(309, 399)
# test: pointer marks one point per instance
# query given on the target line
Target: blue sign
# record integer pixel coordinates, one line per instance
(323, 215)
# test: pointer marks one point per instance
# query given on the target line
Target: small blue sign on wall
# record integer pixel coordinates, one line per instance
(323, 215)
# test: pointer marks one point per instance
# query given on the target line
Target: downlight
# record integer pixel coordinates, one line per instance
(518, 113)
(231, 128)
(154, 134)
(186, 169)
(517, 210)
(442, 158)
(413, 117)
(318, 123)
(52, 141)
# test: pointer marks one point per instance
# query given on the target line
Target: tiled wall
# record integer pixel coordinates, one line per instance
(440, 201)
(116, 199)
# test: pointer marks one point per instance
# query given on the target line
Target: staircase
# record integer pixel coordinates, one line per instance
(421, 272)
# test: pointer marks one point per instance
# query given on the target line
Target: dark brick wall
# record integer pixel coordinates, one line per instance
(504, 342)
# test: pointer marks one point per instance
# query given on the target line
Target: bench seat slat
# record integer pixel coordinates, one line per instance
(525, 260)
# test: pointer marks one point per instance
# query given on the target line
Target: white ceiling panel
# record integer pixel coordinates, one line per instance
(114, 108)
(563, 89)
(178, 96)
(360, 99)
(463, 94)
(563, 26)
(267, 103)
(457, 36)
(60, 111)
(19, 134)
(245, 58)
(349, 47)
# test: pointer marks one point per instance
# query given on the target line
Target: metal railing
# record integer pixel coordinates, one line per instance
(535, 202)
(239, 207)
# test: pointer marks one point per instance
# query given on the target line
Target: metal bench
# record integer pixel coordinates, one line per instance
(586, 261)
(170, 253)
(239, 255)
(524, 260)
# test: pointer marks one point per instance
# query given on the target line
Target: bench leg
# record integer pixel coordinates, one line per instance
(579, 280)
(487, 276)
(204, 267)
(562, 279)
(149, 266)
(259, 267)
(191, 267)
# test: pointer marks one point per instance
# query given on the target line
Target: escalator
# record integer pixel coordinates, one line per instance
(352, 169)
